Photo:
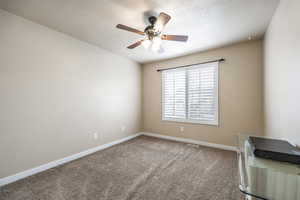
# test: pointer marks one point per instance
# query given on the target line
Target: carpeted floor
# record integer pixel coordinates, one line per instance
(144, 168)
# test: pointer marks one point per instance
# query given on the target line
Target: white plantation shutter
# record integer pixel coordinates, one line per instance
(202, 92)
(174, 94)
(191, 94)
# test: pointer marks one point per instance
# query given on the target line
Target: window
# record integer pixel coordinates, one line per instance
(190, 94)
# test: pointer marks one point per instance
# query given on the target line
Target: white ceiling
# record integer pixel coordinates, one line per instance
(209, 23)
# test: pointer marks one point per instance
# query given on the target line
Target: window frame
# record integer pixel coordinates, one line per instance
(186, 120)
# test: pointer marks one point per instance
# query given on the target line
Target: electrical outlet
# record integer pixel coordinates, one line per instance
(181, 129)
(96, 136)
(123, 128)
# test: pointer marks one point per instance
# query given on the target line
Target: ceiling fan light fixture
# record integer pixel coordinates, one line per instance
(146, 43)
(156, 40)
(156, 44)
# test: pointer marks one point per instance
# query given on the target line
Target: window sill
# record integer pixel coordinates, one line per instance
(213, 123)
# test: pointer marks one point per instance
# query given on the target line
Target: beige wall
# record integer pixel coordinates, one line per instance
(56, 92)
(282, 73)
(240, 95)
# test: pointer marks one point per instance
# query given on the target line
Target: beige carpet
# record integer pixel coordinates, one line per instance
(144, 168)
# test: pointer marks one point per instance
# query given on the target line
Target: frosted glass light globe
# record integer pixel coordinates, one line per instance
(156, 41)
(146, 44)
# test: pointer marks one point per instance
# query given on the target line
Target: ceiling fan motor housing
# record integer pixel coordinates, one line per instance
(150, 30)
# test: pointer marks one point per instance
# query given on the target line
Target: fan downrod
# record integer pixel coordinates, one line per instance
(152, 20)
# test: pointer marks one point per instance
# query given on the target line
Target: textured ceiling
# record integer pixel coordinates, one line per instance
(209, 23)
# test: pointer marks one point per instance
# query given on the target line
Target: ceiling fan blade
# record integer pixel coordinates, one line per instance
(127, 28)
(179, 38)
(161, 21)
(135, 44)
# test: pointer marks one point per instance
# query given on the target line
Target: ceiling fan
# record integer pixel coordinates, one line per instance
(153, 33)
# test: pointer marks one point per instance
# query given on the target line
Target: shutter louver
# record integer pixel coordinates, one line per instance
(191, 94)
(201, 93)
(174, 94)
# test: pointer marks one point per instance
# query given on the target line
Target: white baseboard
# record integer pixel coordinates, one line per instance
(29, 172)
(191, 141)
